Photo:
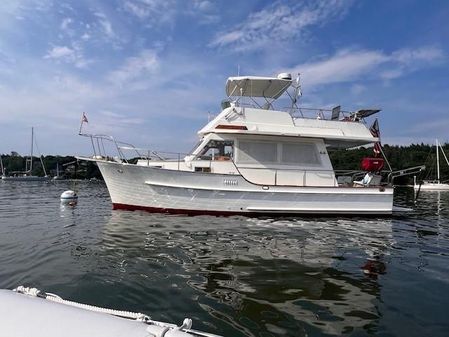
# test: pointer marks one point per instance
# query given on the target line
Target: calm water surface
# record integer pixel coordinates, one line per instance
(234, 276)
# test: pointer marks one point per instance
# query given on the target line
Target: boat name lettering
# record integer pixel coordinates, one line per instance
(231, 182)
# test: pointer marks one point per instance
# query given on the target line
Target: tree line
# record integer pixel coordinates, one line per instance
(67, 167)
(399, 157)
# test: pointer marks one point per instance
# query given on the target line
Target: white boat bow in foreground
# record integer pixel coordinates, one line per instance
(30, 312)
(254, 159)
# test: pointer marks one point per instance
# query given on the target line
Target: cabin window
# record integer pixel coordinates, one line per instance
(283, 153)
(299, 154)
(257, 152)
(217, 150)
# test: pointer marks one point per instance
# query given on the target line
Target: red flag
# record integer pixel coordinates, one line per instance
(374, 129)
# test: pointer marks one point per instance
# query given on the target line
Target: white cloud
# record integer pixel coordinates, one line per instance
(229, 38)
(135, 67)
(65, 23)
(344, 66)
(66, 54)
(203, 5)
(152, 10)
(391, 74)
(349, 65)
(112, 118)
(205, 12)
(85, 37)
(105, 25)
(137, 9)
(407, 59)
(58, 52)
(408, 55)
(279, 22)
(439, 126)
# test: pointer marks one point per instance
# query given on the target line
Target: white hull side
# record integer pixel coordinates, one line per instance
(432, 187)
(26, 178)
(140, 187)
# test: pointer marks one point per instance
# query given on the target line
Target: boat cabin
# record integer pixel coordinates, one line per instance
(271, 146)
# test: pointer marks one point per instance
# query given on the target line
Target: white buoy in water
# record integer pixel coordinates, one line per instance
(69, 197)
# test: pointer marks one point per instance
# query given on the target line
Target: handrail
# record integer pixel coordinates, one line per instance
(354, 174)
(99, 149)
(302, 112)
(319, 113)
(405, 172)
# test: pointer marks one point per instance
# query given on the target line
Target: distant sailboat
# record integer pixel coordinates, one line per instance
(27, 174)
(434, 185)
(57, 176)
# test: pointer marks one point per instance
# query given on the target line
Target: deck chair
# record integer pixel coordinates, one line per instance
(336, 113)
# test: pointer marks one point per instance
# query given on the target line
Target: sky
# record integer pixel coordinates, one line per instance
(149, 72)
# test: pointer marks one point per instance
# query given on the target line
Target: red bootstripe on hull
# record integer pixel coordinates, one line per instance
(230, 213)
(176, 211)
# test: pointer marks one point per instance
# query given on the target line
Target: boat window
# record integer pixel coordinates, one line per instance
(278, 153)
(257, 152)
(302, 153)
(217, 150)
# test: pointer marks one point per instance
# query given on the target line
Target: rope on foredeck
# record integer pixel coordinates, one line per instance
(55, 298)
(185, 327)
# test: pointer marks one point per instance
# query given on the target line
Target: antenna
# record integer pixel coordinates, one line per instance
(297, 93)
(298, 90)
(238, 69)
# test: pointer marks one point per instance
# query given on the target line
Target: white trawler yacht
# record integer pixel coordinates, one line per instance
(254, 159)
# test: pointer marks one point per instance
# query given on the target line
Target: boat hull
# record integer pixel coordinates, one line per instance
(135, 187)
(432, 187)
(26, 178)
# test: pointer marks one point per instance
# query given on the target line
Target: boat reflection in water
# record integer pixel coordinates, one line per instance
(283, 276)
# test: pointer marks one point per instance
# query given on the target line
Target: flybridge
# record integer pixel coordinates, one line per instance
(255, 86)
(250, 110)
(272, 88)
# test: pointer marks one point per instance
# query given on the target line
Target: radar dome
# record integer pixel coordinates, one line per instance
(285, 76)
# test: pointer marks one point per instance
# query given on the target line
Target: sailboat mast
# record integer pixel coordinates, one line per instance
(31, 155)
(1, 164)
(438, 162)
(444, 155)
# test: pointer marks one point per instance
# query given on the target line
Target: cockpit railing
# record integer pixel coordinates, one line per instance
(349, 176)
(320, 113)
(343, 177)
(334, 114)
(103, 145)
